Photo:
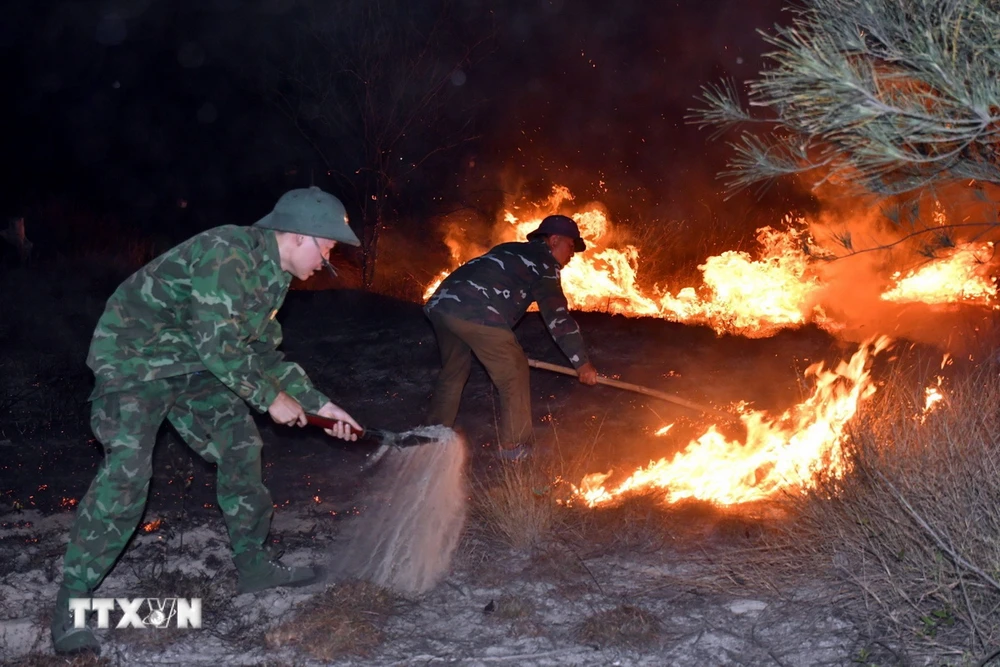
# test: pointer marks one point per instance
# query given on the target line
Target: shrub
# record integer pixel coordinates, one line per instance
(914, 529)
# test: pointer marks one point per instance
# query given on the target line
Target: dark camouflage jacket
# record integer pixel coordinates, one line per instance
(496, 289)
(208, 304)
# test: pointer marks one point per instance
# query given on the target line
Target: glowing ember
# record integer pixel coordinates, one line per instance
(933, 396)
(782, 454)
(664, 430)
(960, 276)
(151, 526)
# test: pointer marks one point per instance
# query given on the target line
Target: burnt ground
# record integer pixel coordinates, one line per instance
(376, 357)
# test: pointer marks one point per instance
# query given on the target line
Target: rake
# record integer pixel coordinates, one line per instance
(639, 389)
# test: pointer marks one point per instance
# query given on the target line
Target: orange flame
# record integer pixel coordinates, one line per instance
(782, 454)
(959, 276)
(932, 396)
(151, 526)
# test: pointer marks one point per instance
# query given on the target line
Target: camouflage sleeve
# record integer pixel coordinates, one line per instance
(555, 313)
(290, 376)
(218, 301)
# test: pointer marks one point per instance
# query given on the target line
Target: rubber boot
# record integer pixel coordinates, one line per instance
(258, 573)
(67, 639)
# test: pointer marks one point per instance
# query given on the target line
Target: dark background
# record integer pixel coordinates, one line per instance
(145, 117)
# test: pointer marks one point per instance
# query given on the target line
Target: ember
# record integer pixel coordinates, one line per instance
(151, 526)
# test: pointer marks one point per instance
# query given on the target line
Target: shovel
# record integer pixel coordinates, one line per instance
(729, 417)
(387, 439)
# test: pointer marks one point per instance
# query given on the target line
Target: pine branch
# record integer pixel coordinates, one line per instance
(894, 95)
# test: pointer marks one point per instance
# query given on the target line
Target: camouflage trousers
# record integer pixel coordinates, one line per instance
(214, 422)
(502, 356)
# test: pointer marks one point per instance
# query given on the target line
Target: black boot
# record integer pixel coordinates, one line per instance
(258, 572)
(67, 639)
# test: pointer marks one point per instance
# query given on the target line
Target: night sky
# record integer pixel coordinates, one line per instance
(147, 111)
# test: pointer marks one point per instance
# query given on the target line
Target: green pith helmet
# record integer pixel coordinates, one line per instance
(312, 212)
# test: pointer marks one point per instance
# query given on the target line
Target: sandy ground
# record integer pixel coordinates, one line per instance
(541, 602)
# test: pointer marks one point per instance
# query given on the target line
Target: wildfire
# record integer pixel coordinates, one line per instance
(740, 293)
(779, 454)
(753, 295)
(959, 276)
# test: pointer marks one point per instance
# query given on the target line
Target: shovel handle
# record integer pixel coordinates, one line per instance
(627, 386)
(329, 422)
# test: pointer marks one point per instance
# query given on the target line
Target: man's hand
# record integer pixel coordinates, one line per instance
(343, 428)
(587, 374)
(286, 410)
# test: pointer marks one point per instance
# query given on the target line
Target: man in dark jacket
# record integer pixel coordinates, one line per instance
(475, 309)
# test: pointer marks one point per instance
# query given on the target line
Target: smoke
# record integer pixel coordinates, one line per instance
(406, 539)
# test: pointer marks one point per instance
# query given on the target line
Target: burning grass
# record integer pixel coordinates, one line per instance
(345, 620)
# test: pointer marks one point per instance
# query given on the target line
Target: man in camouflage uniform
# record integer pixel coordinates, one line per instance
(192, 338)
(475, 309)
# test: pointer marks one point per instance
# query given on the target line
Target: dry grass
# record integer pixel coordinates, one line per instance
(516, 505)
(513, 608)
(913, 533)
(345, 620)
(623, 626)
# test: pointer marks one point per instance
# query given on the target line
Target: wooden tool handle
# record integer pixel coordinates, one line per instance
(328, 422)
(639, 389)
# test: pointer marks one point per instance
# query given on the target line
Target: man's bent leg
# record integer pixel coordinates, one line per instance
(498, 350)
(126, 424)
(456, 364)
(219, 427)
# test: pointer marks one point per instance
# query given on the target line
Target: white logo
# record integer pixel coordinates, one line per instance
(139, 612)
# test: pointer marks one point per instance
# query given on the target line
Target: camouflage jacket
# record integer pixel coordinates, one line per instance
(496, 289)
(208, 304)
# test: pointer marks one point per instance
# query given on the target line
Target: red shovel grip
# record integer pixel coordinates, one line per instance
(329, 422)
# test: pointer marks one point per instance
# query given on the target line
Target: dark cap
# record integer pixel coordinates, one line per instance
(561, 225)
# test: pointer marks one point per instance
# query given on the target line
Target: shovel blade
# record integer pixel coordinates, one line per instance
(399, 439)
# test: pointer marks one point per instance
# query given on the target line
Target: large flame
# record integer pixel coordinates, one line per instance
(961, 275)
(780, 454)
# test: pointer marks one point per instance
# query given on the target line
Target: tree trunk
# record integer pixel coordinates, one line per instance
(369, 245)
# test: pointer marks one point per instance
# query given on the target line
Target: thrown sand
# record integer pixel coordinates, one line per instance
(416, 512)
